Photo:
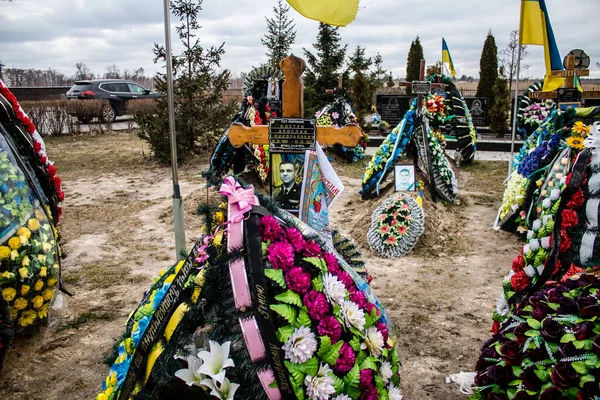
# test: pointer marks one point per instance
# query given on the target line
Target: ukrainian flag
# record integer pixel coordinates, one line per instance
(535, 29)
(331, 12)
(446, 57)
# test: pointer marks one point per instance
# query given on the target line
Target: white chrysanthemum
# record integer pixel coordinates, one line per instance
(536, 225)
(526, 249)
(529, 235)
(545, 242)
(320, 387)
(534, 244)
(502, 307)
(540, 269)
(353, 316)
(394, 393)
(373, 341)
(334, 290)
(342, 397)
(300, 346)
(529, 271)
(547, 203)
(555, 194)
(386, 371)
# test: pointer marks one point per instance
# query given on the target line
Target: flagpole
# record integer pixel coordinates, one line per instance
(514, 121)
(177, 200)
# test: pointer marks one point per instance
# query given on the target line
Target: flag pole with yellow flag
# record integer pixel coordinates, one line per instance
(331, 12)
(446, 58)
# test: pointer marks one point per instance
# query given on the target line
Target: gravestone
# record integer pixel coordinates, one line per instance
(392, 107)
(478, 107)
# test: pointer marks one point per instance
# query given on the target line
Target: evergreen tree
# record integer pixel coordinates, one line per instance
(413, 62)
(200, 114)
(362, 86)
(501, 108)
(323, 67)
(281, 34)
(488, 69)
(389, 80)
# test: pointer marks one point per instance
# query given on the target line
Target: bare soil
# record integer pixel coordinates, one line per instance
(117, 235)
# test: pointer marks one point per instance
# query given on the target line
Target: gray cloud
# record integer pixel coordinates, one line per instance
(59, 33)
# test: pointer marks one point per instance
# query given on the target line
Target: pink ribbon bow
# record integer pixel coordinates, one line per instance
(244, 199)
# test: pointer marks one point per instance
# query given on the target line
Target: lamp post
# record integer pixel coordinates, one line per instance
(177, 200)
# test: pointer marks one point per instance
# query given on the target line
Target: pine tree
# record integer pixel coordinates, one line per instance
(413, 62)
(200, 114)
(362, 87)
(323, 67)
(389, 80)
(281, 34)
(499, 112)
(488, 69)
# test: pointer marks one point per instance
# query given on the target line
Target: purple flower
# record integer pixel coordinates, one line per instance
(345, 361)
(317, 304)
(329, 326)
(372, 394)
(555, 295)
(567, 350)
(567, 306)
(551, 329)
(346, 279)
(530, 379)
(564, 376)
(381, 327)
(520, 332)
(298, 280)
(366, 379)
(552, 393)
(583, 330)
(295, 238)
(512, 353)
(488, 352)
(311, 249)
(370, 306)
(269, 228)
(281, 255)
(537, 355)
(332, 264)
(358, 297)
(590, 307)
(499, 375)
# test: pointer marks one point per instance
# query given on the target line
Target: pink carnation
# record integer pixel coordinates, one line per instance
(281, 255)
(317, 304)
(269, 228)
(311, 249)
(381, 327)
(295, 238)
(345, 361)
(332, 264)
(366, 380)
(329, 326)
(372, 394)
(358, 297)
(370, 306)
(346, 279)
(298, 280)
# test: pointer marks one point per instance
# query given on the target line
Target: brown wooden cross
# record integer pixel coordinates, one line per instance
(422, 78)
(339, 91)
(293, 107)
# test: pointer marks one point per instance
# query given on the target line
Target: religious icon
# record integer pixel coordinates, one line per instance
(404, 177)
(287, 171)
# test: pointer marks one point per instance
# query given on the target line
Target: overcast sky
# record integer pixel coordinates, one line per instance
(59, 33)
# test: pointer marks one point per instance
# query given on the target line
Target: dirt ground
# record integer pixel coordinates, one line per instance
(117, 235)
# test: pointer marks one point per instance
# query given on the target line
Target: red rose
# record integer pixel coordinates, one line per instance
(569, 218)
(43, 159)
(56, 182)
(577, 199)
(51, 170)
(495, 327)
(565, 241)
(61, 195)
(274, 114)
(37, 146)
(518, 263)
(519, 281)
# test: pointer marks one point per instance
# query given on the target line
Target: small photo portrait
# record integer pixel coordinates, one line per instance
(404, 177)
(287, 173)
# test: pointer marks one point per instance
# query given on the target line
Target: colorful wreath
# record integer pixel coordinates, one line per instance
(396, 226)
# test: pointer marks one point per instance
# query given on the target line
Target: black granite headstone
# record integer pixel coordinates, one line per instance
(478, 107)
(392, 107)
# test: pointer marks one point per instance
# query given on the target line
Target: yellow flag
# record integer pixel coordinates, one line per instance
(331, 12)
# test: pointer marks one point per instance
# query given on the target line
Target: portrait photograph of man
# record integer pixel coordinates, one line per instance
(404, 178)
(287, 172)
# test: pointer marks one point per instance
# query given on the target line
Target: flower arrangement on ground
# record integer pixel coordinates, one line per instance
(396, 226)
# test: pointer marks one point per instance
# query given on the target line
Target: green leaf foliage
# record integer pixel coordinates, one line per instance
(329, 352)
(289, 297)
(286, 311)
(276, 275)
(319, 263)
(303, 318)
(284, 332)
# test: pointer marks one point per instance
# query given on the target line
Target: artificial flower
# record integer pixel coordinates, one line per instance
(9, 294)
(334, 290)
(38, 285)
(20, 303)
(386, 371)
(33, 224)
(225, 391)
(25, 289)
(14, 243)
(215, 361)
(190, 375)
(51, 282)
(27, 318)
(330, 326)
(317, 305)
(281, 255)
(575, 143)
(298, 280)
(4, 252)
(502, 306)
(37, 301)
(519, 281)
(580, 128)
(346, 359)
(43, 270)
(300, 346)
(24, 232)
(394, 393)
(373, 341)
(43, 311)
(320, 386)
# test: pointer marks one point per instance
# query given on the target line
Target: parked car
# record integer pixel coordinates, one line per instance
(117, 91)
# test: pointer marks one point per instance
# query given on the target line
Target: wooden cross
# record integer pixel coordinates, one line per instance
(569, 73)
(421, 78)
(293, 107)
(339, 91)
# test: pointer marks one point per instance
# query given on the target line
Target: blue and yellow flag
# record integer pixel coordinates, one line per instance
(331, 12)
(446, 58)
(535, 29)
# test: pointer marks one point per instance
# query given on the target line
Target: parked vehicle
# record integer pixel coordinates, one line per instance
(118, 92)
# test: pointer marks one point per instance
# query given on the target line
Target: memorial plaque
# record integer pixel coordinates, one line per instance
(566, 95)
(478, 107)
(392, 107)
(292, 134)
(421, 87)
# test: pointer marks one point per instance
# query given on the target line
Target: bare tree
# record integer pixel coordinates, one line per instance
(82, 71)
(510, 60)
(112, 72)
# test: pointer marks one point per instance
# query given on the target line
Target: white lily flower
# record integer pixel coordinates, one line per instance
(216, 361)
(224, 392)
(190, 375)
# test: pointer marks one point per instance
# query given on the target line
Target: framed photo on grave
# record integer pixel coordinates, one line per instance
(287, 180)
(405, 178)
